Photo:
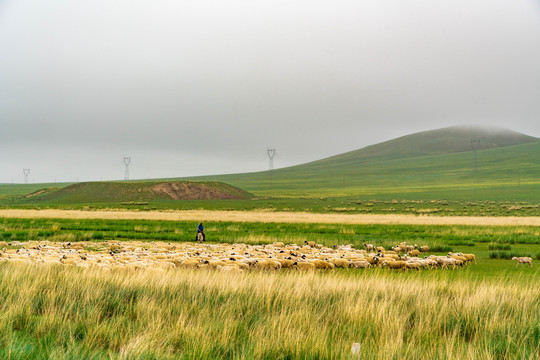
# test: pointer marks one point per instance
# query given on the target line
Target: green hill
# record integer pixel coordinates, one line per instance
(435, 142)
(109, 192)
(439, 162)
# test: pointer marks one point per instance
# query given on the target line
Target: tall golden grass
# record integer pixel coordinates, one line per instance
(65, 312)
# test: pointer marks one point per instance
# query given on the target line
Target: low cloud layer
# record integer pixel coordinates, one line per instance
(188, 88)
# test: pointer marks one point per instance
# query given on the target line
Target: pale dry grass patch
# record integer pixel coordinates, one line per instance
(274, 217)
(256, 239)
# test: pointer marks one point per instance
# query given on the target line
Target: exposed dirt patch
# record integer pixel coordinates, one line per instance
(192, 191)
(36, 193)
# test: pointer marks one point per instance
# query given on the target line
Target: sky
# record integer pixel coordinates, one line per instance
(206, 87)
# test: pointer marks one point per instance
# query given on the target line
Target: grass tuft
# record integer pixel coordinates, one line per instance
(507, 255)
(494, 246)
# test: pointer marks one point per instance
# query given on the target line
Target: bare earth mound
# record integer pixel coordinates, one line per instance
(109, 192)
(192, 191)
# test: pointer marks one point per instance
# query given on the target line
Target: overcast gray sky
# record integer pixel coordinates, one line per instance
(205, 86)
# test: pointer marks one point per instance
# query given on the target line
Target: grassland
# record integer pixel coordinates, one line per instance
(486, 311)
(64, 312)
(521, 240)
(324, 205)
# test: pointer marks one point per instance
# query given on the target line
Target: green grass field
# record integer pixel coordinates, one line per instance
(347, 205)
(504, 241)
(486, 311)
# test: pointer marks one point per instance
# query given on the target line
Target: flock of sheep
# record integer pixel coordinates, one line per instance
(226, 257)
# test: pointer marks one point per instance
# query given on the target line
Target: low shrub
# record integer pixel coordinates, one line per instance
(461, 243)
(494, 246)
(440, 248)
(506, 255)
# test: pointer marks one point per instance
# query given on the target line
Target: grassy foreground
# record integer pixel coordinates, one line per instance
(486, 311)
(64, 312)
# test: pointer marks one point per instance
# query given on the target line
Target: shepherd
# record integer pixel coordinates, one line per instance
(200, 233)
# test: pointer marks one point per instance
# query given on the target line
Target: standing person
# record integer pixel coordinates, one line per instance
(200, 229)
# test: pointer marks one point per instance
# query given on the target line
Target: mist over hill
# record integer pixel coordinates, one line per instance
(440, 141)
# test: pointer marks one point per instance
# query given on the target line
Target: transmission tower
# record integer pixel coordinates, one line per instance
(127, 161)
(475, 144)
(271, 153)
(26, 172)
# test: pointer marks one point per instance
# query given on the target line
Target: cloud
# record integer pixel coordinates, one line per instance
(219, 82)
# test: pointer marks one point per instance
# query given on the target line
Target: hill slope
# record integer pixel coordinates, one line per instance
(103, 192)
(441, 141)
(439, 160)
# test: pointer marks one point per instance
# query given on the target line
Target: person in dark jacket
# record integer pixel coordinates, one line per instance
(200, 229)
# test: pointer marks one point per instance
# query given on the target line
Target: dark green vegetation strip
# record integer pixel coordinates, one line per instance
(346, 205)
(228, 232)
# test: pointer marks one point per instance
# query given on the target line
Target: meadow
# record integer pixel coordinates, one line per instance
(522, 239)
(486, 311)
(322, 205)
(65, 312)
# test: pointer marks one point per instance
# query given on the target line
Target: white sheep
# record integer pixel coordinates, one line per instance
(360, 264)
(395, 264)
(339, 262)
(444, 261)
(523, 260)
(304, 266)
(224, 257)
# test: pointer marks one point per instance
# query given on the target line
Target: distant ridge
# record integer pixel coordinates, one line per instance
(103, 192)
(440, 141)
